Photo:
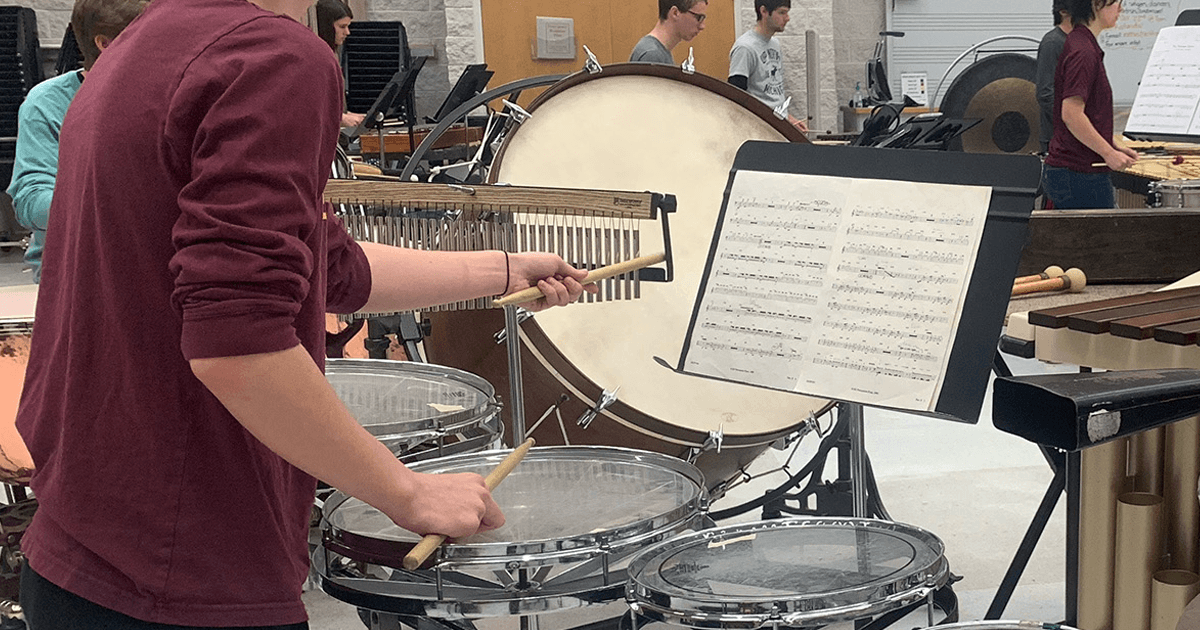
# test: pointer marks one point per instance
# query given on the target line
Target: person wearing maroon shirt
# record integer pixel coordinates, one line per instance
(1083, 115)
(174, 402)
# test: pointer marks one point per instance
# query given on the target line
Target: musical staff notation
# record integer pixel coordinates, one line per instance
(1168, 97)
(814, 284)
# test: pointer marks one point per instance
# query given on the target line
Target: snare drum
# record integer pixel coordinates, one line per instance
(418, 410)
(788, 572)
(16, 329)
(1175, 193)
(632, 127)
(574, 516)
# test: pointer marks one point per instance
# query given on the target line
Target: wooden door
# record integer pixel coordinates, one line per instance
(610, 28)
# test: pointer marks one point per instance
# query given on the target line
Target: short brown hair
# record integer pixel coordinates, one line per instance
(664, 6)
(770, 5)
(91, 18)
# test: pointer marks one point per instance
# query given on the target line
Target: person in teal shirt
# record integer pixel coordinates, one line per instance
(95, 24)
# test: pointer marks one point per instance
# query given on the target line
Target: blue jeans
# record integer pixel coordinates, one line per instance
(1074, 190)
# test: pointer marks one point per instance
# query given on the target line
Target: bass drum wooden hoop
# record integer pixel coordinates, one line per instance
(632, 127)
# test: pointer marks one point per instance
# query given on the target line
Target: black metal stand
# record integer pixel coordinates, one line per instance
(408, 330)
(1066, 467)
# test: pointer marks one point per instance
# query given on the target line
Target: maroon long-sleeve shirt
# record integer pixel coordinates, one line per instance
(187, 223)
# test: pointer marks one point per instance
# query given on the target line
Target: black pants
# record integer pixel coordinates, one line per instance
(48, 607)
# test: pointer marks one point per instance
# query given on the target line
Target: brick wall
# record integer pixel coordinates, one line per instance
(52, 17)
(425, 21)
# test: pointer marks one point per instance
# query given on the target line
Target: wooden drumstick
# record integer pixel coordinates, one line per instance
(431, 542)
(1053, 271)
(1073, 281)
(595, 275)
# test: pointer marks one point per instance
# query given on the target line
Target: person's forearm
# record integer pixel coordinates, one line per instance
(407, 279)
(285, 402)
(33, 207)
(1083, 130)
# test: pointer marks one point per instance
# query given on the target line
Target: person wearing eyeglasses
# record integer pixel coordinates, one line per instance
(756, 60)
(678, 21)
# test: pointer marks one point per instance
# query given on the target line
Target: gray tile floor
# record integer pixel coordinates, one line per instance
(971, 485)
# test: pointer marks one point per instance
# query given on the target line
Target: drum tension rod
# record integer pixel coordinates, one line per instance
(606, 401)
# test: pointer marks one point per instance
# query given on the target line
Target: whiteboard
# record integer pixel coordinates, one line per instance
(938, 31)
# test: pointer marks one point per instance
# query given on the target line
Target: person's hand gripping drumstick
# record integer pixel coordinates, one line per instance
(594, 276)
(431, 542)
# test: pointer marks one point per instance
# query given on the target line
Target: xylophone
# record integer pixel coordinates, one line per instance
(1151, 332)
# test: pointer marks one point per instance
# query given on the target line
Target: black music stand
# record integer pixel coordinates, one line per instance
(401, 85)
(1014, 183)
(471, 82)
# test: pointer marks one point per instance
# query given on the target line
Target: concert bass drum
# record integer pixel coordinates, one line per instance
(638, 127)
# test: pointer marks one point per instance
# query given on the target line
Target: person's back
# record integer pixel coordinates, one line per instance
(181, 142)
(1048, 53)
(94, 24)
(36, 160)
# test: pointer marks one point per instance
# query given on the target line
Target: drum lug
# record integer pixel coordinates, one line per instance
(502, 336)
(592, 65)
(781, 112)
(11, 610)
(689, 66)
(606, 401)
(714, 441)
(516, 112)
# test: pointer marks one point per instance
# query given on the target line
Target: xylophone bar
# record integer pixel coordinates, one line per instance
(1149, 326)
(1099, 321)
(1059, 317)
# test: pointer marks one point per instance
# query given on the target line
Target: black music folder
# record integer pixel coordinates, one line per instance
(871, 276)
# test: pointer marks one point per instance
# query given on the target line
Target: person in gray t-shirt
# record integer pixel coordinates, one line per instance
(1047, 62)
(756, 61)
(678, 21)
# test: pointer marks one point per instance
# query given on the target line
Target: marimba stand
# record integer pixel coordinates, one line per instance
(1054, 412)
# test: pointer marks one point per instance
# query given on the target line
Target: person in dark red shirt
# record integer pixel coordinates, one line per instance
(1083, 115)
(174, 402)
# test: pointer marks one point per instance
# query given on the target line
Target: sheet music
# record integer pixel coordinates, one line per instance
(844, 288)
(1168, 99)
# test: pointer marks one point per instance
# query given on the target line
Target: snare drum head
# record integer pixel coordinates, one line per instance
(802, 569)
(557, 500)
(402, 402)
(624, 130)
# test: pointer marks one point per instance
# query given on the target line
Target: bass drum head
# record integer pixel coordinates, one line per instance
(1002, 90)
(636, 127)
